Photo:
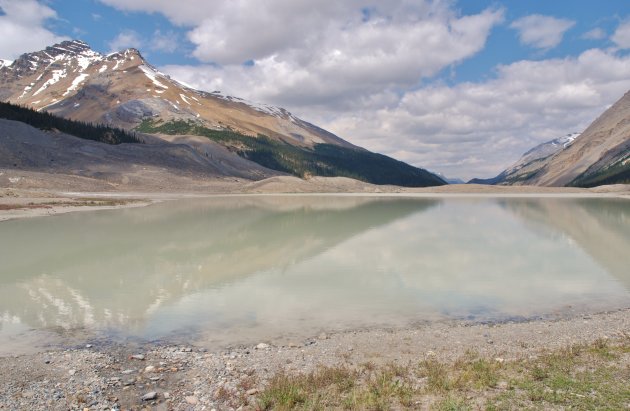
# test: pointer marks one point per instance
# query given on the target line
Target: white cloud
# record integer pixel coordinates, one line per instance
(165, 42)
(339, 60)
(621, 37)
(25, 20)
(542, 32)
(595, 34)
(183, 12)
(305, 32)
(478, 129)
(124, 40)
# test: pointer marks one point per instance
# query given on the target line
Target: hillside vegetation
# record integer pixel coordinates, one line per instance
(616, 173)
(324, 160)
(46, 121)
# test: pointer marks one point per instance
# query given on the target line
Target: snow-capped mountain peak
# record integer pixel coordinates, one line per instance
(123, 89)
(542, 151)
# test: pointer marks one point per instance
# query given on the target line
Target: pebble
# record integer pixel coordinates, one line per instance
(192, 400)
(323, 336)
(137, 357)
(101, 375)
(72, 372)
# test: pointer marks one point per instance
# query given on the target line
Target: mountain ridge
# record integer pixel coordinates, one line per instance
(123, 90)
(599, 155)
(69, 73)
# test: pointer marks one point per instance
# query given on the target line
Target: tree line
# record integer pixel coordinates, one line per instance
(50, 122)
(327, 160)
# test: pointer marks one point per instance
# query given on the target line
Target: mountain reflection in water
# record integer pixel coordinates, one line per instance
(242, 268)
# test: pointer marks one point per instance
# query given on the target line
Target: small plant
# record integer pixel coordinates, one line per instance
(436, 374)
(582, 377)
(283, 392)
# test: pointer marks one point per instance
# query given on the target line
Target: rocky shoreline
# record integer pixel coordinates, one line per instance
(160, 376)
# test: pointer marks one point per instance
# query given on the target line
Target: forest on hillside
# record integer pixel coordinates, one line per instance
(326, 160)
(46, 121)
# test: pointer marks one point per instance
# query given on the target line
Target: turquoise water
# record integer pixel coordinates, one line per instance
(240, 269)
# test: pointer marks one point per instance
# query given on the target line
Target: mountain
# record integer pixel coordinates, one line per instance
(454, 180)
(152, 165)
(599, 155)
(123, 90)
(530, 162)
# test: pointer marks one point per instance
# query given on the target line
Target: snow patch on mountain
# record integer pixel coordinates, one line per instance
(152, 75)
(84, 61)
(183, 97)
(75, 83)
(542, 151)
(274, 111)
(56, 76)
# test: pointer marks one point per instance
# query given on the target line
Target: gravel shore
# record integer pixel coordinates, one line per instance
(162, 376)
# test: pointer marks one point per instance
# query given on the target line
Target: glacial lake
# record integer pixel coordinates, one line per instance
(246, 269)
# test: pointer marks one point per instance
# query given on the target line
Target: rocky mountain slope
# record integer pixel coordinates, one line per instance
(27, 148)
(599, 155)
(123, 90)
(530, 162)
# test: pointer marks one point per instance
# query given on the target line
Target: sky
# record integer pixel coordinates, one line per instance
(458, 87)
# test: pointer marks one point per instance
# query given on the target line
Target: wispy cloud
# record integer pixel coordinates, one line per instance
(124, 40)
(541, 32)
(165, 42)
(621, 37)
(595, 34)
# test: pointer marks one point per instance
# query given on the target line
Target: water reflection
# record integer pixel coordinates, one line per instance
(600, 228)
(248, 267)
(116, 268)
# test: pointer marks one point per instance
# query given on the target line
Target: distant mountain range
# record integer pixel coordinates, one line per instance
(123, 90)
(599, 155)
